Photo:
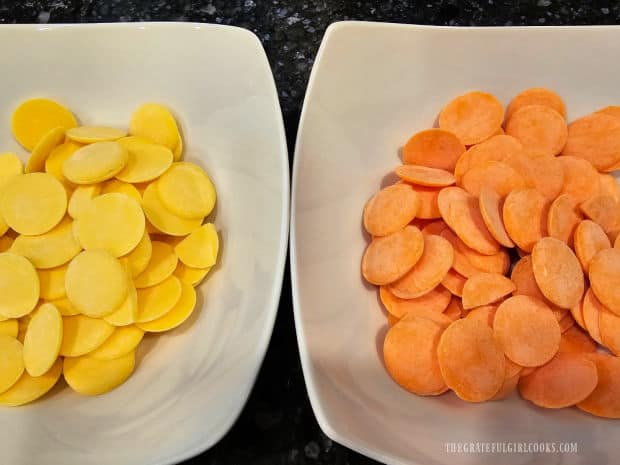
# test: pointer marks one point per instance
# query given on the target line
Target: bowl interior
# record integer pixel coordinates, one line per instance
(190, 384)
(372, 87)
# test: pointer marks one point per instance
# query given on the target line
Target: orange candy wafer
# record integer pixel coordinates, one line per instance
(435, 148)
(436, 300)
(603, 210)
(428, 272)
(591, 310)
(508, 387)
(454, 282)
(559, 313)
(410, 355)
(491, 205)
(496, 263)
(470, 360)
(435, 228)
(595, 138)
(563, 217)
(461, 263)
(496, 148)
(523, 277)
(429, 210)
(525, 217)
(581, 180)
(540, 129)
(604, 273)
(436, 317)
(609, 186)
(388, 258)
(486, 288)
(575, 340)
(460, 211)
(577, 312)
(536, 96)
(391, 209)
(609, 329)
(589, 239)
(611, 110)
(473, 117)
(498, 175)
(425, 176)
(609, 169)
(526, 330)
(558, 272)
(484, 313)
(454, 310)
(566, 380)
(605, 399)
(566, 322)
(543, 173)
(420, 223)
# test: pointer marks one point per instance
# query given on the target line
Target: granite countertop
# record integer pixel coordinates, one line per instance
(277, 426)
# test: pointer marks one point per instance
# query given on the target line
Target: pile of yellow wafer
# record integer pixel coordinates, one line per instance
(102, 238)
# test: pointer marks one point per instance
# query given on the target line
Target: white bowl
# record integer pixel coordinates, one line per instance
(189, 385)
(372, 86)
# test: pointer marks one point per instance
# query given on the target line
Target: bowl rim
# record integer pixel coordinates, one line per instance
(313, 395)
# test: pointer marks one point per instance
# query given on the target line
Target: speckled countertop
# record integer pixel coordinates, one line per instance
(277, 426)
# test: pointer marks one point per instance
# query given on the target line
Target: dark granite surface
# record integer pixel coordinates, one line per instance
(277, 425)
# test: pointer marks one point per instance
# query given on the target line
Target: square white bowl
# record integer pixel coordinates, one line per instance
(372, 86)
(190, 384)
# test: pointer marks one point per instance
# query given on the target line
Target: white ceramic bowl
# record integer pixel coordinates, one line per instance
(372, 86)
(190, 384)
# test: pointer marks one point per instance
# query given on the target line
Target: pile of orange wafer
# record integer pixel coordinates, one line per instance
(497, 255)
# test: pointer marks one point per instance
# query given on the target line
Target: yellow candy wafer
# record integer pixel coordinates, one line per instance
(34, 118)
(33, 203)
(10, 166)
(19, 286)
(200, 248)
(155, 301)
(28, 388)
(96, 283)
(11, 361)
(82, 334)
(81, 198)
(43, 339)
(53, 164)
(43, 149)
(92, 134)
(146, 162)
(123, 341)
(111, 222)
(138, 259)
(65, 307)
(155, 122)
(127, 313)
(163, 219)
(9, 328)
(186, 191)
(161, 265)
(193, 276)
(120, 187)
(95, 163)
(91, 377)
(53, 282)
(177, 315)
(49, 250)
